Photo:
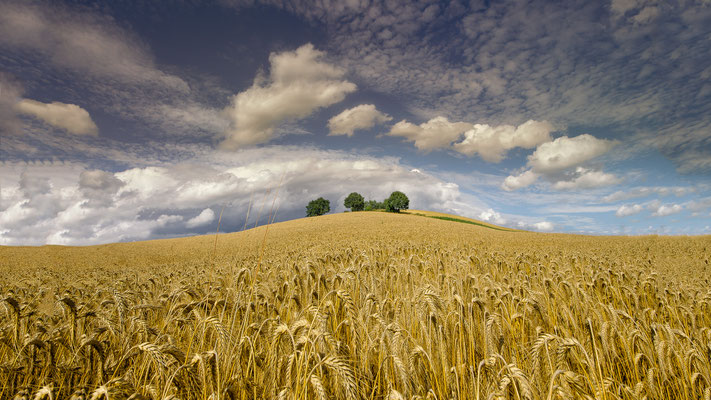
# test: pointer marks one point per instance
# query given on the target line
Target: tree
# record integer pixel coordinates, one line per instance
(355, 202)
(372, 205)
(396, 202)
(317, 207)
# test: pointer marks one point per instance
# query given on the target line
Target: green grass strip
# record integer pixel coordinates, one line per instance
(467, 222)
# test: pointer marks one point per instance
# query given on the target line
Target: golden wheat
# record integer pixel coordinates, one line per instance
(359, 306)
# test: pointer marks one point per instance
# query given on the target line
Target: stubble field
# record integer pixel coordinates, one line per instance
(359, 306)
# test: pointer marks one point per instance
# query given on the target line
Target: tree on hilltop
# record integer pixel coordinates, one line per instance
(372, 205)
(318, 207)
(396, 202)
(355, 202)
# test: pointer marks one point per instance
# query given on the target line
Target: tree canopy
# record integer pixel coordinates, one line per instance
(355, 202)
(397, 201)
(317, 207)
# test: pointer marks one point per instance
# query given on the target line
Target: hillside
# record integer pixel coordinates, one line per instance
(337, 232)
(362, 305)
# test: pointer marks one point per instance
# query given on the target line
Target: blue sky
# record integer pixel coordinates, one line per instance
(134, 120)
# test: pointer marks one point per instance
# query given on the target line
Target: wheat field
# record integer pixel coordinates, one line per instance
(359, 306)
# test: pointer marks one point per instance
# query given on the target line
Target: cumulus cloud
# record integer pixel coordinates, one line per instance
(99, 187)
(666, 209)
(69, 117)
(626, 210)
(492, 142)
(205, 217)
(587, 179)
(299, 83)
(70, 204)
(542, 226)
(364, 116)
(492, 216)
(434, 134)
(524, 179)
(565, 152)
(552, 159)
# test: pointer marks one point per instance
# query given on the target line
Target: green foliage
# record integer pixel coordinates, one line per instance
(464, 221)
(397, 201)
(317, 207)
(372, 205)
(355, 202)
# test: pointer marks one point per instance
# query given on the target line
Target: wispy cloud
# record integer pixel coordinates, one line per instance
(631, 64)
(81, 42)
(69, 117)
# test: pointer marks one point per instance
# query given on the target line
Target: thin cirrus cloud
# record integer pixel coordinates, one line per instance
(10, 92)
(587, 179)
(605, 69)
(299, 83)
(81, 42)
(69, 117)
(644, 191)
(364, 116)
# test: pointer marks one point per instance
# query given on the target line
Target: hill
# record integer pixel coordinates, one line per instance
(363, 305)
(359, 230)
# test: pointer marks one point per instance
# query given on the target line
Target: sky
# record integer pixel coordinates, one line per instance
(124, 121)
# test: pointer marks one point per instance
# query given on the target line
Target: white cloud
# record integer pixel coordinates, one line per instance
(626, 210)
(492, 142)
(544, 226)
(364, 116)
(492, 216)
(565, 152)
(81, 42)
(205, 217)
(69, 117)
(96, 61)
(434, 134)
(700, 204)
(70, 204)
(552, 159)
(587, 179)
(667, 209)
(644, 191)
(299, 83)
(522, 180)
(99, 187)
